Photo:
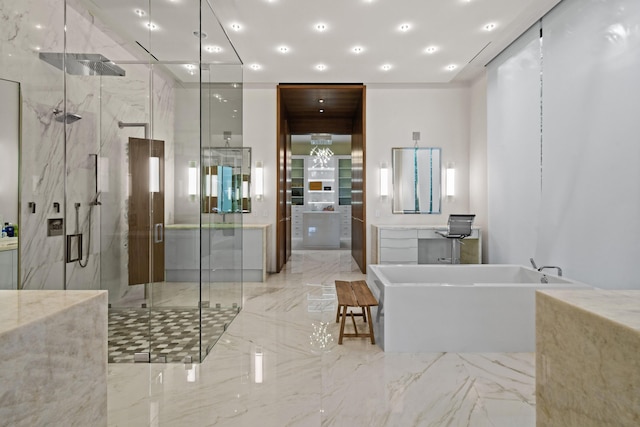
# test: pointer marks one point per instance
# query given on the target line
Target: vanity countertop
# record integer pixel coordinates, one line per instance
(215, 225)
(416, 226)
(321, 212)
(8, 244)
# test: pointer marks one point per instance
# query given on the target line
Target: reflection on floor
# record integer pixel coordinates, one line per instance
(279, 364)
(168, 334)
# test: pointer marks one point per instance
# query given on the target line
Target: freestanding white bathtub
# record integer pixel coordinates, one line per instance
(458, 308)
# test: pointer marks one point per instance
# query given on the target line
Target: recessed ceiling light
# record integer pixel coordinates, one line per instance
(404, 27)
(451, 67)
(151, 26)
(431, 49)
(213, 49)
(321, 100)
(236, 27)
(386, 67)
(357, 49)
(490, 26)
(321, 110)
(140, 12)
(255, 66)
(321, 67)
(283, 49)
(320, 26)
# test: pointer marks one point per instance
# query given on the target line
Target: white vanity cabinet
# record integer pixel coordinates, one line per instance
(394, 244)
(8, 269)
(224, 247)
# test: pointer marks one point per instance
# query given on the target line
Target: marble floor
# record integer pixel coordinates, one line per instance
(279, 364)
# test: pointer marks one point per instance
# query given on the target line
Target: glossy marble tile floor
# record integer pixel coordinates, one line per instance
(279, 364)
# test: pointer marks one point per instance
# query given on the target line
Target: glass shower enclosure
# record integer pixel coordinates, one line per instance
(137, 90)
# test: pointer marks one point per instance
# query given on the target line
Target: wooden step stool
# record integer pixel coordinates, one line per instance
(355, 294)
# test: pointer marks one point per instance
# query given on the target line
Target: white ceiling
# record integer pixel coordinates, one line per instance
(454, 27)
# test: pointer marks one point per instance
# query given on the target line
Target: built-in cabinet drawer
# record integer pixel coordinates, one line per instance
(398, 234)
(399, 255)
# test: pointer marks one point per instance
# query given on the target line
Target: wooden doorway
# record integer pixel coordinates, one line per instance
(321, 108)
(146, 211)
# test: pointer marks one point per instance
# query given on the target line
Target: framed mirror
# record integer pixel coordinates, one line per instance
(417, 180)
(226, 180)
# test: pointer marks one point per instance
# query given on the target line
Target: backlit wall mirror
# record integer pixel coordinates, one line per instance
(226, 180)
(417, 180)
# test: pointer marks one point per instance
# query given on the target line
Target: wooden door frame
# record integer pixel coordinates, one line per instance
(283, 181)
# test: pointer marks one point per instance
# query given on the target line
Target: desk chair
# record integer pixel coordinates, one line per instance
(458, 227)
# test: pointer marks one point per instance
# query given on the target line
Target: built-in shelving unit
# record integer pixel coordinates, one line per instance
(315, 188)
(344, 181)
(297, 181)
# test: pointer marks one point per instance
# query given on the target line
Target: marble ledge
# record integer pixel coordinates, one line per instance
(215, 225)
(621, 308)
(20, 308)
(587, 365)
(53, 358)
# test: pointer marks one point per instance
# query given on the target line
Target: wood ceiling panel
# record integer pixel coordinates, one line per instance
(341, 103)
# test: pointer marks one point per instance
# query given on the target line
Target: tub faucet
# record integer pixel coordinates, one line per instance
(552, 266)
(533, 263)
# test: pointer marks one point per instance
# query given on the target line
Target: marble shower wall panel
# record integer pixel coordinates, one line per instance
(28, 27)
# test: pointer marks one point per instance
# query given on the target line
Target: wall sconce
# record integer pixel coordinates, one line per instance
(193, 179)
(245, 189)
(258, 366)
(450, 189)
(259, 180)
(154, 174)
(384, 180)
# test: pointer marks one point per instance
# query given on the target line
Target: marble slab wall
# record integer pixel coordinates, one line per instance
(587, 364)
(53, 366)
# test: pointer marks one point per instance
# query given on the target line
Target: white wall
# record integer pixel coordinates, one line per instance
(478, 158)
(259, 132)
(571, 148)
(440, 113)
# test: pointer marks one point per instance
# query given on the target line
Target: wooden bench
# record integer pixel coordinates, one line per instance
(355, 294)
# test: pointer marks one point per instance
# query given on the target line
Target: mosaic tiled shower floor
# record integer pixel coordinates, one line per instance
(174, 332)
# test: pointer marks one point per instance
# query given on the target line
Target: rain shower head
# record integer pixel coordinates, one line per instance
(82, 64)
(67, 118)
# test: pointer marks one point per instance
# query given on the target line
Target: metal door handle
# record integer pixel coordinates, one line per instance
(158, 233)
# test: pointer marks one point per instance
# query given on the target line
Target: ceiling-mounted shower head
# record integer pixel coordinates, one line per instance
(67, 118)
